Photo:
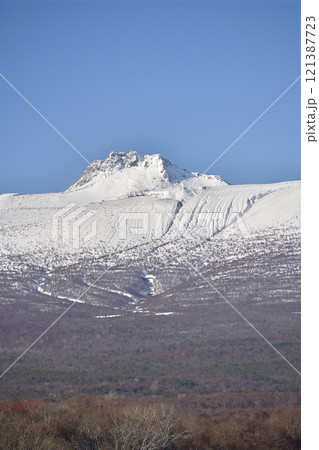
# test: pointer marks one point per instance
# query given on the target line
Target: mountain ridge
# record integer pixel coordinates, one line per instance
(134, 169)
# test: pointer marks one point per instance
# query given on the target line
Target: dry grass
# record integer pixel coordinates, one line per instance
(99, 423)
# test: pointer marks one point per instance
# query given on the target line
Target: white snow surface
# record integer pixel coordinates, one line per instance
(125, 175)
(131, 187)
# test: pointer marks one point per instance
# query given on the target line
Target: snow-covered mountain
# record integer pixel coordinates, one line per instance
(130, 174)
(132, 208)
(142, 247)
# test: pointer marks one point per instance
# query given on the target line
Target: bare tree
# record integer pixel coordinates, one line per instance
(147, 428)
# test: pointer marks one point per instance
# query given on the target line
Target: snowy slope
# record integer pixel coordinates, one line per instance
(126, 175)
(181, 210)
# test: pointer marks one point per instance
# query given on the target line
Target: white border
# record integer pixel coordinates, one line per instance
(310, 244)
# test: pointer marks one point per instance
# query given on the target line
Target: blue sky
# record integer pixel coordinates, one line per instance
(180, 78)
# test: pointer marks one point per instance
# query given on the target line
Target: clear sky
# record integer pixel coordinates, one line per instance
(181, 78)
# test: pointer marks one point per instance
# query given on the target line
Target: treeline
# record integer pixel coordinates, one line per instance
(103, 423)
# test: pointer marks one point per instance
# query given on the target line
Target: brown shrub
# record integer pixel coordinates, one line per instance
(99, 423)
(148, 427)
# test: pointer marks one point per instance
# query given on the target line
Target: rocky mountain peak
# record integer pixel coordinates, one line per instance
(134, 173)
